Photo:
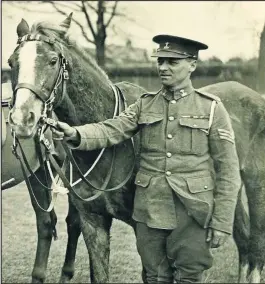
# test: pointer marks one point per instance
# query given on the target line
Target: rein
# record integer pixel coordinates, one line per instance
(82, 176)
(47, 121)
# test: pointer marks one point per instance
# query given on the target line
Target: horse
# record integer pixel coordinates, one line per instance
(87, 95)
(12, 175)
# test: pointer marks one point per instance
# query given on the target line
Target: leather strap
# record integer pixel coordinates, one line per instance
(33, 88)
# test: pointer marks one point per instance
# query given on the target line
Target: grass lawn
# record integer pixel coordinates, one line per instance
(19, 245)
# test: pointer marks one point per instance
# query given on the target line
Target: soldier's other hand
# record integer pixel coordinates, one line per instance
(216, 237)
(64, 130)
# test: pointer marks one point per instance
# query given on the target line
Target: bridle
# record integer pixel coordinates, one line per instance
(46, 121)
(62, 76)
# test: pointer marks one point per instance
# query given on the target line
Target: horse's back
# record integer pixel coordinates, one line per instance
(130, 91)
(241, 102)
(246, 109)
(233, 91)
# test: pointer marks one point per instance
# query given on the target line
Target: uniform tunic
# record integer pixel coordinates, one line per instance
(187, 151)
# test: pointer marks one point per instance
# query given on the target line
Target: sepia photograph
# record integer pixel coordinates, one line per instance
(133, 141)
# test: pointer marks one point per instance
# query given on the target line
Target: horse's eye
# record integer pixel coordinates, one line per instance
(54, 60)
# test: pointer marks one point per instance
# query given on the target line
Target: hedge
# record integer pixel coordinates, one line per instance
(201, 70)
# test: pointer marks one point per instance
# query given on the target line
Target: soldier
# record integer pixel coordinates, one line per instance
(188, 181)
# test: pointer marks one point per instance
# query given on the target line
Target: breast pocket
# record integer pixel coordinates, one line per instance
(151, 125)
(193, 136)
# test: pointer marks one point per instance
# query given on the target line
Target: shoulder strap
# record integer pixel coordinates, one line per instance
(208, 95)
(213, 105)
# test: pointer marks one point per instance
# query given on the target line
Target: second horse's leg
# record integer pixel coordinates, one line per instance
(95, 229)
(241, 237)
(74, 230)
(45, 222)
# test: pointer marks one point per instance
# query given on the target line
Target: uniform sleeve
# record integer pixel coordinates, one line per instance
(109, 132)
(226, 164)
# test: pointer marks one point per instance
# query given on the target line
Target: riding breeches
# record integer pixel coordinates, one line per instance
(179, 255)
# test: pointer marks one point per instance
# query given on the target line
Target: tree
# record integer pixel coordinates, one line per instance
(94, 18)
(214, 60)
(261, 64)
(236, 60)
(105, 12)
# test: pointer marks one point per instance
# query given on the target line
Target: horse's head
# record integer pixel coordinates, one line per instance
(38, 71)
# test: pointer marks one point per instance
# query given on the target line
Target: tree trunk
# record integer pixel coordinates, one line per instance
(100, 53)
(261, 66)
(101, 34)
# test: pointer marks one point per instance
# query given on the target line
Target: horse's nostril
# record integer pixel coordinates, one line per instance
(31, 118)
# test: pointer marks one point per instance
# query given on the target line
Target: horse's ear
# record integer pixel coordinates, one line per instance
(22, 28)
(65, 25)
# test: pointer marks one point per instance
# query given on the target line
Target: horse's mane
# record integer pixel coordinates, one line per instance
(55, 31)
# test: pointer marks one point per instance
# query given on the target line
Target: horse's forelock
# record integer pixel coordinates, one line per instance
(50, 30)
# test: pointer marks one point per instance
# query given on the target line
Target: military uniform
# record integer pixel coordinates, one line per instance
(178, 140)
(188, 178)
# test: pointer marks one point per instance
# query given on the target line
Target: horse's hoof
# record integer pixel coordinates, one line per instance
(65, 278)
(37, 280)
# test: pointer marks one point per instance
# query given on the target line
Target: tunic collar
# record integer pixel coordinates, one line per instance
(177, 93)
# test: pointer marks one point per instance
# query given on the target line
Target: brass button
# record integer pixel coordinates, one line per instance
(173, 101)
(138, 181)
(169, 136)
(170, 118)
(205, 187)
(169, 154)
(168, 173)
(194, 125)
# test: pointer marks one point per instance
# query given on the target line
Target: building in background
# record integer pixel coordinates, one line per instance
(118, 55)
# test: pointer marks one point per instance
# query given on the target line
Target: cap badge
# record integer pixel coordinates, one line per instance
(166, 45)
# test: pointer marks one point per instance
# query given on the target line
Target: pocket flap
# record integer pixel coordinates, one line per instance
(194, 122)
(142, 179)
(200, 184)
(148, 118)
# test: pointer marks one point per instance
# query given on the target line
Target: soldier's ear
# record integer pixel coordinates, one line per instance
(193, 65)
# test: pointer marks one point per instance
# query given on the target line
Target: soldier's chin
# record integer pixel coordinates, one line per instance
(166, 81)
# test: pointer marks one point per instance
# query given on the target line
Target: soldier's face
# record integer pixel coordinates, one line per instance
(173, 71)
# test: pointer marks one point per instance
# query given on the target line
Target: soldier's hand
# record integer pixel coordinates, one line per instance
(217, 238)
(64, 130)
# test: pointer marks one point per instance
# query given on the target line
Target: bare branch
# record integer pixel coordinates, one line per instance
(84, 33)
(112, 14)
(88, 19)
(73, 6)
(91, 7)
(75, 21)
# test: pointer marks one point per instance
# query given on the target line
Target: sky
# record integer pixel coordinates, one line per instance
(229, 28)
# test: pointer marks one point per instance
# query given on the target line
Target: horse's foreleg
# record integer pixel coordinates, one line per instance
(44, 229)
(95, 229)
(241, 237)
(74, 230)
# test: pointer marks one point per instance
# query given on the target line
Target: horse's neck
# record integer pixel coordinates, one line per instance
(66, 112)
(89, 99)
